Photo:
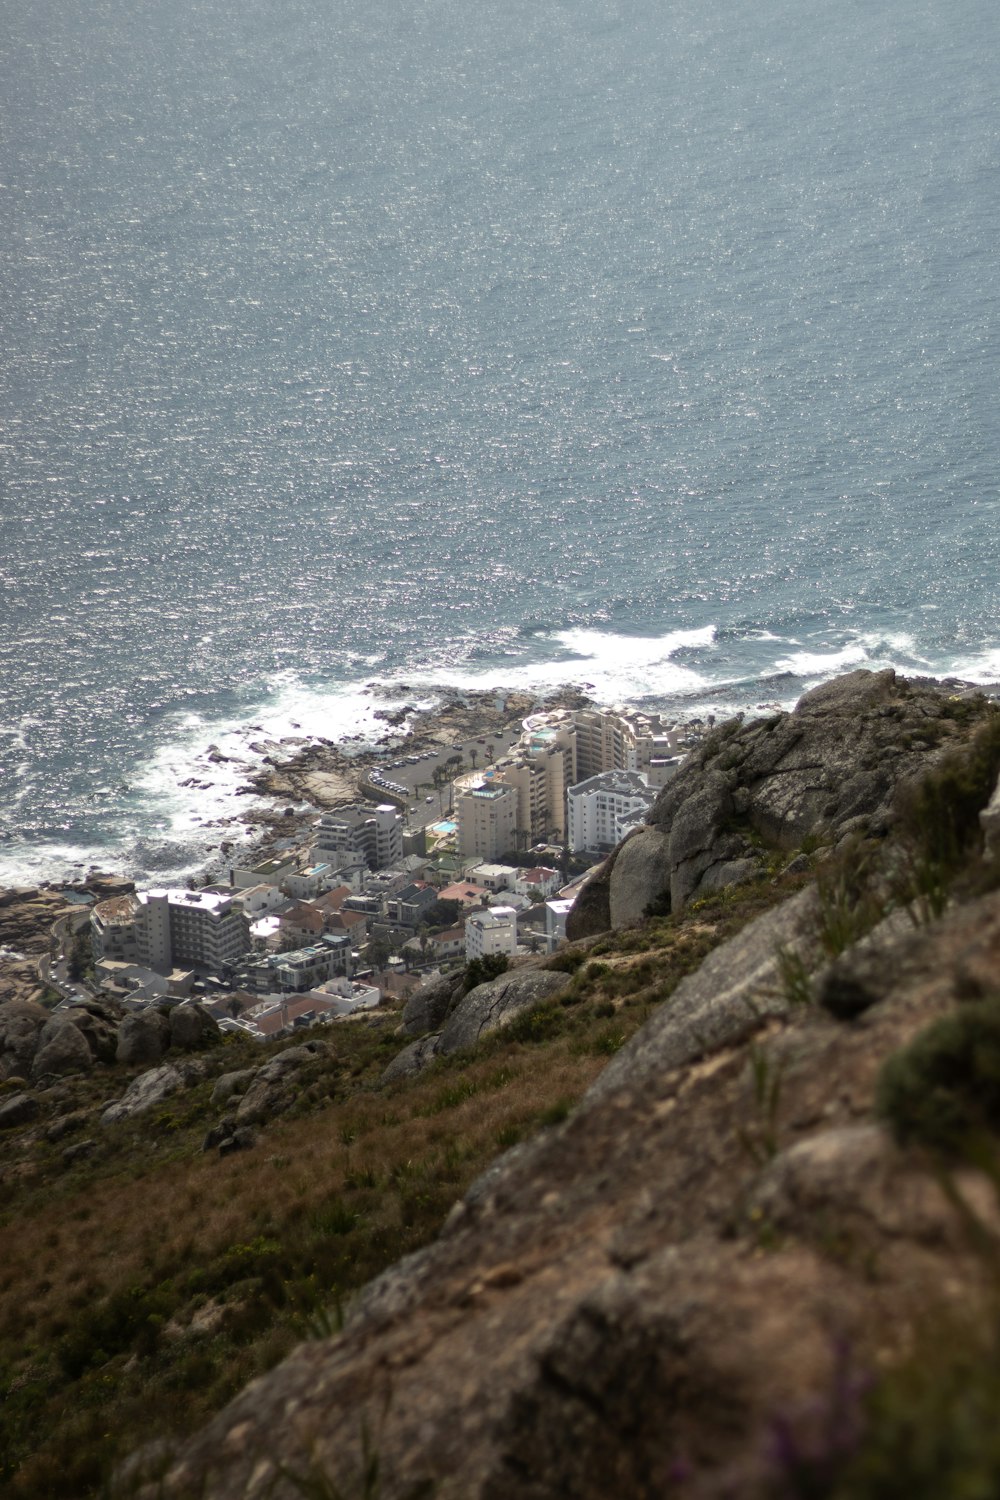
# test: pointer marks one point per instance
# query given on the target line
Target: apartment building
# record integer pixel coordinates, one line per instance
(487, 819)
(540, 771)
(362, 830)
(492, 930)
(601, 809)
(303, 969)
(164, 929)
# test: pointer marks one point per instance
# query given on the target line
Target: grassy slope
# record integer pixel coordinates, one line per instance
(140, 1288)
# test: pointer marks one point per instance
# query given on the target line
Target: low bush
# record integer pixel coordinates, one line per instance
(938, 817)
(943, 1090)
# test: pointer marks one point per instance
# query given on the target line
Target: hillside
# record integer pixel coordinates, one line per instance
(742, 1236)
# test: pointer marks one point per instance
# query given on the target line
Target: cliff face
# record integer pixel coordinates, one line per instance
(688, 1286)
(828, 769)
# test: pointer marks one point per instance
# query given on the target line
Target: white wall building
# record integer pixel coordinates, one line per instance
(556, 913)
(537, 878)
(493, 930)
(373, 833)
(310, 882)
(493, 877)
(268, 872)
(346, 995)
(255, 900)
(165, 928)
(602, 806)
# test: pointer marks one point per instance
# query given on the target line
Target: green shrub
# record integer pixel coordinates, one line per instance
(930, 1427)
(482, 970)
(939, 816)
(943, 1090)
(567, 960)
(539, 1024)
(849, 906)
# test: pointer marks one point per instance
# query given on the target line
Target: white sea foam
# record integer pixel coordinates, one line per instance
(982, 666)
(822, 664)
(613, 667)
(185, 800)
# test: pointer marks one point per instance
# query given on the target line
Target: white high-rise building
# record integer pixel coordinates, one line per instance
(167, 928)
(600, 809)
(373, 833)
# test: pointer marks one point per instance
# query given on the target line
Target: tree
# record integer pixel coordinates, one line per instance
(442, 913)
(480, 970)
(473, 756)
(377, 952)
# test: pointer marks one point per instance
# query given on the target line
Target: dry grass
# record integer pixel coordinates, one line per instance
(141, 1288)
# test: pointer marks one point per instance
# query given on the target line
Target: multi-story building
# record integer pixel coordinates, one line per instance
(538, 878)
(164, 928)
(313, 881)
(601, 808)
(619, 739)
(205, 928)
(556, 913)
(408, 906)
(268, 872)
(487, 819)
(493, 877)
(492, 930)
(304, 969)
(113, 930)
(362, 830)
(541, 769)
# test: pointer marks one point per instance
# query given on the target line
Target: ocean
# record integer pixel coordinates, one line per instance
(647, 346)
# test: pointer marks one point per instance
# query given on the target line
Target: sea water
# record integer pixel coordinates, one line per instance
(649, 346)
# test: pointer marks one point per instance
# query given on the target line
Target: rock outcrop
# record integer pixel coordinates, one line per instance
(192, 1027)
(21, 1024)
(143, 1093)
(62, 1048)
(430, 1005)
(143, 1038)
(463, 1021)
(633, 1302)
(725, 1239)
(829, 768)
(274, 1086)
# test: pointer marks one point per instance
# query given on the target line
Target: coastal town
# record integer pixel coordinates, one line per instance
(436, 853)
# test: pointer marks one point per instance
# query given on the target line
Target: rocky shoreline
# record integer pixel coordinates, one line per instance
(298, 779)
(324, 773)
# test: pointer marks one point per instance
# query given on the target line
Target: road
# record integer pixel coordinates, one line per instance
(54, 970)
(415, 777)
